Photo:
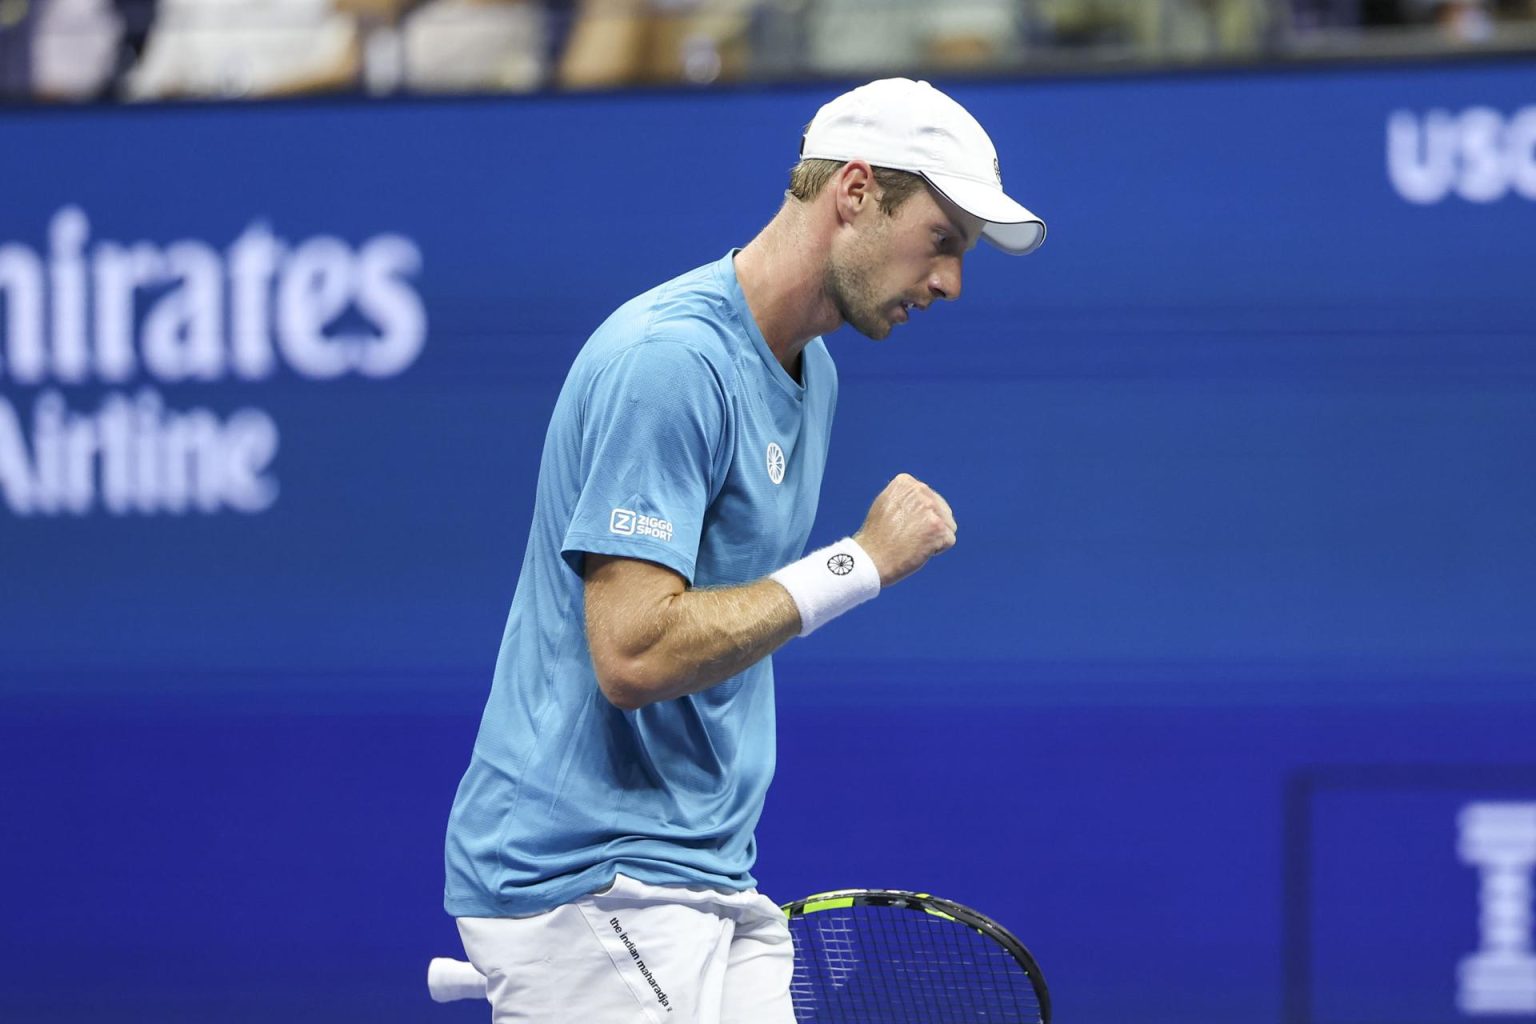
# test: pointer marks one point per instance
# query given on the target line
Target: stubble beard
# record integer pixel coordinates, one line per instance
(854, 299)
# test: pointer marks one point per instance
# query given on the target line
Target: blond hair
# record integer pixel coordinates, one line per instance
(809, 177)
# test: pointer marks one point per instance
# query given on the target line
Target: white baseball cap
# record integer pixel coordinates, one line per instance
(911, 126)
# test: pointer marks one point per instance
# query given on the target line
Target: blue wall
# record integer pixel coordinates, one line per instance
(1243, 611)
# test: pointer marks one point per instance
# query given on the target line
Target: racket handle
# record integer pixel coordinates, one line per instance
(449, 980)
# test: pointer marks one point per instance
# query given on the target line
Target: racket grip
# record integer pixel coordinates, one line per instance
(449, 980)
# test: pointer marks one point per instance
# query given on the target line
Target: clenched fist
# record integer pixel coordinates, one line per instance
(908, 524)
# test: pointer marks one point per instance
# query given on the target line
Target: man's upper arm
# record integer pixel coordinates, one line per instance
(653, 428)
(626, 600)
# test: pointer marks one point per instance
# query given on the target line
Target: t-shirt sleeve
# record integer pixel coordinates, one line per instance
(652, 423)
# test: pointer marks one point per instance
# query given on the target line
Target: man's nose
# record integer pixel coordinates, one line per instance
(945, 281)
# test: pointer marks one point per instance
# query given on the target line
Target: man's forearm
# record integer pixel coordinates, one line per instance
(652, 638)
(677, 643)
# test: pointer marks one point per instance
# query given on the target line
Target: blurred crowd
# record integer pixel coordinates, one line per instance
(63, 50)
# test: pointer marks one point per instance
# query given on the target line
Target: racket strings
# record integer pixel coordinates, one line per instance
(881, 965)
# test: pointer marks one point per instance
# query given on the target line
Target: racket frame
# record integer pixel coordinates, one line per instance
(922, 902)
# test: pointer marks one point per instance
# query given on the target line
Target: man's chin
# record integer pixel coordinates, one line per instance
(874, 330)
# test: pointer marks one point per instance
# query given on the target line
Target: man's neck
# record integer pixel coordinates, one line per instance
(782, 273)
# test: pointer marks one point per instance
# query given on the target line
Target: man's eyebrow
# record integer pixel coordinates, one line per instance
(954, 228)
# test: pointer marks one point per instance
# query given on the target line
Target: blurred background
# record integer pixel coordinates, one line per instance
(74, 50)
(1225, 701)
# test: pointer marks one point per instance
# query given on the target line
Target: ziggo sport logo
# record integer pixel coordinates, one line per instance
(1480, 154)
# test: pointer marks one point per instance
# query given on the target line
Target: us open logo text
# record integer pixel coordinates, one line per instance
(1478, 155)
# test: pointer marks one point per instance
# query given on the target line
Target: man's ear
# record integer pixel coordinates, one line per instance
(856, 188)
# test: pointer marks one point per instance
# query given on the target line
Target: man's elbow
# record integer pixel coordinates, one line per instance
(628, 683)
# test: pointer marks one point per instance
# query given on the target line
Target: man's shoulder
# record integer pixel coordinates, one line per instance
(690, 313)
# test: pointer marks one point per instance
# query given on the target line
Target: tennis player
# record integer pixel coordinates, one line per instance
(600, 847)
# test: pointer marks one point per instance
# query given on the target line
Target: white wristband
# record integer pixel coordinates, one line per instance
(826, 583)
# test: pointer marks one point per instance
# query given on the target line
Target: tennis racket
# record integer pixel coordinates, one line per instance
(884, 956)
(879, 956)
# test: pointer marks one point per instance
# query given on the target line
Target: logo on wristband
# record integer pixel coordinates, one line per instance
(840, 564)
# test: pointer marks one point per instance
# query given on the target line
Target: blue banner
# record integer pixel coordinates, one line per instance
(1241, 458)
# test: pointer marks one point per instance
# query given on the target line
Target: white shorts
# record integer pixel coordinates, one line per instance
(645, 954)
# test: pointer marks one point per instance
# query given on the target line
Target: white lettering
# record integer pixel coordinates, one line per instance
(1421, 160)
(67, 235)
(234, 313)
(650, 526)
(189, 464)
(250, 444)
(253, 260)
(145, 471)
(1500, 840)
(1520, 144)
(21, 285)
(115, 426)
(385, 296)
(1484, 172)
(71, 313)
(183, 332)
(1479, 155)
(117, 272)
(136, 457)
(48, 448)
(16, 482)
(315, 289)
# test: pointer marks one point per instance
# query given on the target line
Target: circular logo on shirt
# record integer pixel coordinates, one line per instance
(775, 462)
(840, 564)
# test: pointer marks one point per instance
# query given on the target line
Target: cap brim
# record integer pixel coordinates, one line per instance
(1009, 226)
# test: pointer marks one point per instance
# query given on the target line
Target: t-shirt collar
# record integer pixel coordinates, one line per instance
(731, 285)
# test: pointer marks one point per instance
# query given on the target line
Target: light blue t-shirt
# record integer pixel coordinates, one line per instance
(679, 439)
